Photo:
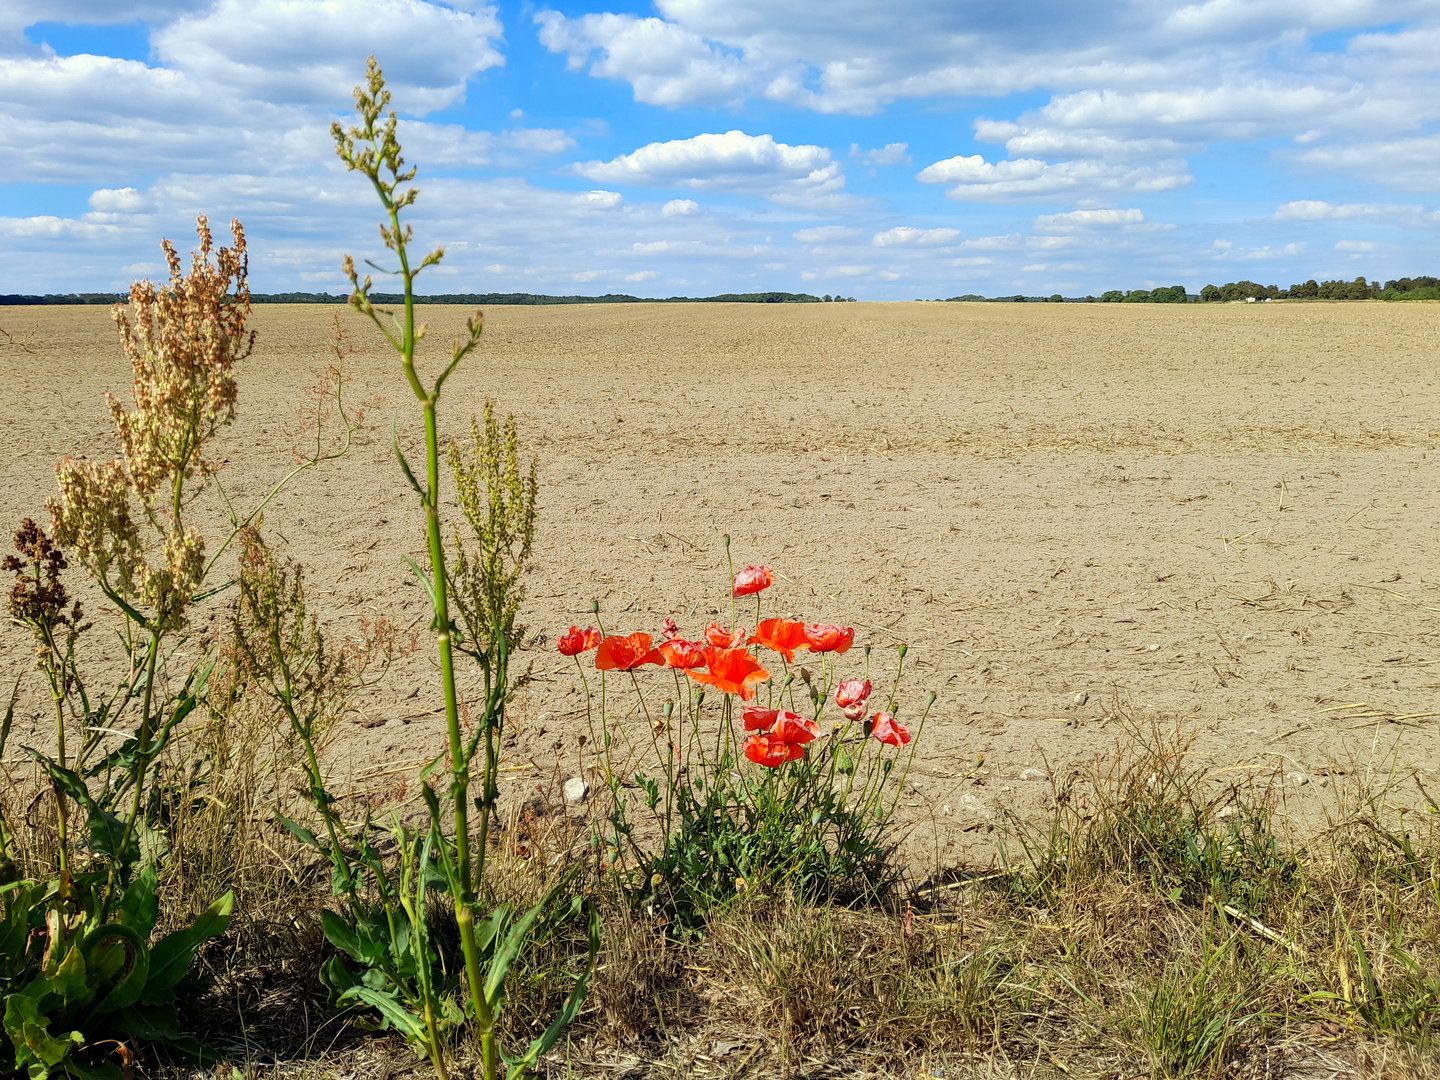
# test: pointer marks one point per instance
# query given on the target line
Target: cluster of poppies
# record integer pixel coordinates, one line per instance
(723, 660)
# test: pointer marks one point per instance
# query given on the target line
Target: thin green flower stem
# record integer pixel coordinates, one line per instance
(895, 686)
(138, 779)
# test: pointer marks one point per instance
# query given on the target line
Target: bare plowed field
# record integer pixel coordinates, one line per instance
(1078, 517)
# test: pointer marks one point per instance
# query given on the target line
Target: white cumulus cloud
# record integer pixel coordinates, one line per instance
(732, 161)
(974, 178)
(907, 235)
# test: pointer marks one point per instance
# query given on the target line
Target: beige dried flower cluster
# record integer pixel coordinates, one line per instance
(183, 340)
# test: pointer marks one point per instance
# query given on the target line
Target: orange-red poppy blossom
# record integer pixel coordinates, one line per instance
(626, 653)
(759, 718)
(888, 730)
(822, 637)
(578, 641)
(731, 671)
(771, 752)
(753, 579)
(781, 636)
(795, 729)
(721, 638)
(679, 653)
(852, 695)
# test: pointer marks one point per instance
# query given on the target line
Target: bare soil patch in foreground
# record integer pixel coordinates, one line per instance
(1076, 516)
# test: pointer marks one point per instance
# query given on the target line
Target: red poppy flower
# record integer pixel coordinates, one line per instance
(626, 653)
(721, 638)
(752, 579)
(679, 653)
(852, 695)
(759, 718)
(889, 730)
(781, 636)
(795, 729)
(669, 630)
(578, 641)
(821, 637)
(771, 752)
(732, 671)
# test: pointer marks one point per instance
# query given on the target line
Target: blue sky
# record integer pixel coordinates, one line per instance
(918, 148)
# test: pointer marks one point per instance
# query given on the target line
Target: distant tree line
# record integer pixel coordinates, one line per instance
(1407, 288)
(468, 299)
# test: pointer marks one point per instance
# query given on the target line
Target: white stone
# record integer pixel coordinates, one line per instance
(1034, 774)
(575, 790)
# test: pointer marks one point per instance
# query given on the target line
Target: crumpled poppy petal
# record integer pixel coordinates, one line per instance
(780, 635)
(626, 653)
(795, 729)
(753, 579)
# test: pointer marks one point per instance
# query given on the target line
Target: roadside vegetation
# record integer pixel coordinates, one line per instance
(187, 884)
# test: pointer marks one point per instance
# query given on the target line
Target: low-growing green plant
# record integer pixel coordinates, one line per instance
(1192, 1019)
(810, 815)
(1150, 820)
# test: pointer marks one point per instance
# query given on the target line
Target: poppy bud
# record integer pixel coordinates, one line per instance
(903, 650)
(725, 540)
(867, 652)
(814, 694)
(804, 675)
(594, 607)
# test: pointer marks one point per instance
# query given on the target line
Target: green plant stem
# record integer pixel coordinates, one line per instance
(152, 653)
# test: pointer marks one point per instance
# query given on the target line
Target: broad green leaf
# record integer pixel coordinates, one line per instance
(509, 949)
(171, 956)
(117, 950)
(29, 1031)
(406, 1022)
(140, 905)
(341, 934)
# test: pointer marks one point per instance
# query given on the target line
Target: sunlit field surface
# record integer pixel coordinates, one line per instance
(1088, 523)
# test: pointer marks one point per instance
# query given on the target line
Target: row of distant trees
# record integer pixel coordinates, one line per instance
(1408, 288)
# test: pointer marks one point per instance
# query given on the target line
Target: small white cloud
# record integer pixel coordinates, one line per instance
(1089, 219)
(124, 200)
(1223, 245)
(908, 236)
(641, 275)
(1035, 268)
(495, 268)
(680, 208)
(1358, 246)
(517, 114)
(585, 275)
(598, 200)
(895, 153)
(974, 260)
(827, 234)
(1027, 178)
(650, 247)
(847, 271)
(888, 275)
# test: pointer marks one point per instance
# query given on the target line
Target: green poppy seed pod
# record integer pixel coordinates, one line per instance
(867, 652)
(903, 650)
(669, 708)
(725, 540)
(594, 607)
(788, 680)
(931, 699)
(699, 698)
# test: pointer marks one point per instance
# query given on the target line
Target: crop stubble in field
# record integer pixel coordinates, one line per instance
(1083, 513)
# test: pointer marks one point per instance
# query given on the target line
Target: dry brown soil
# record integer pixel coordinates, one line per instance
(1078, 517)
